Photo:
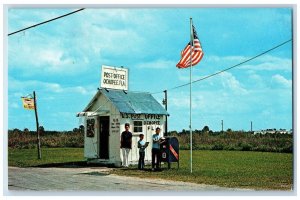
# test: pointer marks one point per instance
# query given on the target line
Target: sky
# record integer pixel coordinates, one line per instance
(62, 60)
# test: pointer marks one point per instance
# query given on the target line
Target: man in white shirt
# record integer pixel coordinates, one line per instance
(156, 138)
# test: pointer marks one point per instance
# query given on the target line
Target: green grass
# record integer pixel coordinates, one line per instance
(255, 170)
(28, 157)
(244, 169)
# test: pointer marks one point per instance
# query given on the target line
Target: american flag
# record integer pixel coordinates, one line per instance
(197, 52)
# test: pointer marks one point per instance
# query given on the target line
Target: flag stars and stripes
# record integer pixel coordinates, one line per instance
(192, 52)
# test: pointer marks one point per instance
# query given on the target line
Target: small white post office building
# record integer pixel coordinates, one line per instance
(104, 119)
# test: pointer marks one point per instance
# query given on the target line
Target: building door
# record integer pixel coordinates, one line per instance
(104, 136)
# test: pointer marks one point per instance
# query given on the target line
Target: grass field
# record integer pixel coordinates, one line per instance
(28, 157)
(256, 170)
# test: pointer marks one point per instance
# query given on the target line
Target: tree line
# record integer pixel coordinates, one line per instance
(231, 140)
(26, 139)
(204, 139)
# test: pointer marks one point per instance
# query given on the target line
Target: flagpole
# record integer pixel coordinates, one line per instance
(191, 138)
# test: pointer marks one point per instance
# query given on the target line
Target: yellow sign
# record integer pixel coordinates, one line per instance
(28, 103)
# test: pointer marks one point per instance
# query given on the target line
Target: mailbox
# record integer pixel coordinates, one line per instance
(170, 151)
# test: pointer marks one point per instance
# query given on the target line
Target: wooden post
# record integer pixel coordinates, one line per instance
(222, 125)
(37, 127)
(166, 107)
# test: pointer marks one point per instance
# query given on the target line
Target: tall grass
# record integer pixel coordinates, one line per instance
(238, 140)
(27, 140)
(202, 140)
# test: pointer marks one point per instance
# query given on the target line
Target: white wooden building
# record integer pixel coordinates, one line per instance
(104, 119)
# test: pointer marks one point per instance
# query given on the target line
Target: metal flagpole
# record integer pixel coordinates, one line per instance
(191, 138)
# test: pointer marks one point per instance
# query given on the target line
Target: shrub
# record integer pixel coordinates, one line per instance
(218, 146)
(246, 147)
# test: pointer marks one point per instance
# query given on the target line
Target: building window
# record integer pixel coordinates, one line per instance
(137, 126)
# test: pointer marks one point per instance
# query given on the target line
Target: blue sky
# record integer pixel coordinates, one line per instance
(62, 61)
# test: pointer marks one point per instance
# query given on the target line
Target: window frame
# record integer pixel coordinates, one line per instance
(139, 127)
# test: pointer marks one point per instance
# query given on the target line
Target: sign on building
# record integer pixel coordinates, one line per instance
(114, 78)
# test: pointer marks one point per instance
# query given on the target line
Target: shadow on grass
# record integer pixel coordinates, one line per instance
(130, 169)
(77, 164)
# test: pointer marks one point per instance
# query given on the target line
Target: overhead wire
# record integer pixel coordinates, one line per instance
(226, 69)
(44, 22)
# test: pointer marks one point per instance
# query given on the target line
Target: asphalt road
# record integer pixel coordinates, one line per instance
(95, 179)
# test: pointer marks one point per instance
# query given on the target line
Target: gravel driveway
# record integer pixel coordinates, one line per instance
(95, 179)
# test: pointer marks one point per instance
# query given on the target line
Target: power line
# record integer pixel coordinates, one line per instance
(45, 22)
(211, 75)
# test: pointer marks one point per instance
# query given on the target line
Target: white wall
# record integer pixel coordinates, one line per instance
(148, 131)
(114, 135)
(99, 108)
(117, 122)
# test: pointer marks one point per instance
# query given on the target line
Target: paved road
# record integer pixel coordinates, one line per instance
(93, 179)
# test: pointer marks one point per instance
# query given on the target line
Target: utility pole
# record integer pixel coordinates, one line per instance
(222, 125)
(37, 127)
(165, 102)
(251, 126)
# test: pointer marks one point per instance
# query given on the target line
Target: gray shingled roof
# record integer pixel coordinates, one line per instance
(133, 102)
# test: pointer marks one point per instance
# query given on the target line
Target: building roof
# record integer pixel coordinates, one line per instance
(131, 102)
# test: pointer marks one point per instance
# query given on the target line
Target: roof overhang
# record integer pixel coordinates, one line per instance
(91, 114)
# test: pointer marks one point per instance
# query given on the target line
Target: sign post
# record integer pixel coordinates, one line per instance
(37, 128)
(29, 103)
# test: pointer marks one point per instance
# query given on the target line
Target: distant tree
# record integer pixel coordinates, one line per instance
(17, 131)
(75, 130)
(26, 130)
(81, 129)
(172, 133)
(229, 130)
(41, 130)
(205, 129)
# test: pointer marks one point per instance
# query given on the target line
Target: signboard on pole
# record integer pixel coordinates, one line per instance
(28, 103)
(114, 78)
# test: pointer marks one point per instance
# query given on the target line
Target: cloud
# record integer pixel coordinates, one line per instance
(255, 80)
(209, 102)
(222, 59)
(229, 81)
(22, 19)
(70, 52)
(263, 63)
(270, 63)
(225, 80)
(42, 59)
(210, 106)
(63, 115)
(14, 105)
(280, 80)
(157, 64)
(30, 85)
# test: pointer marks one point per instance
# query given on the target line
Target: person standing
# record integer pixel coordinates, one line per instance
(141, 145)
(126, 141)
(156, 138)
